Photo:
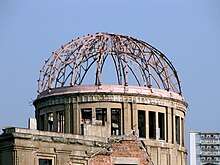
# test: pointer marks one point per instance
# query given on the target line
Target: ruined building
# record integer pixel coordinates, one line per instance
(103, 99)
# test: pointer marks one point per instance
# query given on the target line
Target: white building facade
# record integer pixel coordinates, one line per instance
(204, 148)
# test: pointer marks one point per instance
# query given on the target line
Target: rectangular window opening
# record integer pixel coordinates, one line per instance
(172, 123)
(142, 123)
(116, 121)
(50, 121)
(161, 126)
(167, 123)
(41, 124)
(60, 124)
(177, 121)
(45, 162)
(86, 116)
(101, 116)
(183, 132)
(152, 125)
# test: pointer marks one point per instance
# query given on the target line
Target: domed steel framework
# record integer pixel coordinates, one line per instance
(69, 65)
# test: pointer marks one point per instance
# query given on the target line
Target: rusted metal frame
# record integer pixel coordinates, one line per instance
(142, 71)
(76, 68)
(116, 68)
(104, 55)
(63, 64)
(169, 64)
(155, 68)
(50, 74)
(63, 76)
(125, 68)
(175, 74)
(65, 79)
(135, 75)
(131, 57)
(79, 57)
(52, 66)
(41, 82)
(77, 75)
(75, 48)
(103, 62)
(171, 83)
(41, 79)
(52, 79)
(98, 73)
(141, 56)
(168, 79)
(80, 68)
(119, 67)
(148, 78)
(160, 71)
(130, 68)
(153, 53)
(154, 78)
(168, 75)
(150, 64)
(43, 73)
(47, 75)
(159, 77)
(124, 52)
(126, 61)
(83, 76)
(72, 73)
(123, 71)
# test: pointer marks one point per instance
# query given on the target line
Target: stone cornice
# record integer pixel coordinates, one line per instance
(108, 97)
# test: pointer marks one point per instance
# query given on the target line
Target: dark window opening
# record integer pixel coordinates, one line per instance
(50, 121)
(86, 116)
(41, 122)
(177, 120)
(60, 124)
(172, 122)
(115, 121)
(167, 131)
(45, 162)
(142, 123)
(152, 125)
(183, 132)
(101, 116)
(161, 126)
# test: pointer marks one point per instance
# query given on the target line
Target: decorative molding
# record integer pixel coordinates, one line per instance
(86, 98)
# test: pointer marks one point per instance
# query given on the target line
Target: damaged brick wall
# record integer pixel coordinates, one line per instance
(122, 152)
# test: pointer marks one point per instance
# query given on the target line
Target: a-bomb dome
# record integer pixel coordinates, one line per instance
(131, 59)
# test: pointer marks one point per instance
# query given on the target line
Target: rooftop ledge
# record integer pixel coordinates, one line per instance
(31, 133)
(113, 89)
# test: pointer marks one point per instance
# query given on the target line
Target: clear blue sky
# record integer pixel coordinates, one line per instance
(187, 31)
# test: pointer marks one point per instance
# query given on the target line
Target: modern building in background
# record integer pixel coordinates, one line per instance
(204, 148)
(103, 99)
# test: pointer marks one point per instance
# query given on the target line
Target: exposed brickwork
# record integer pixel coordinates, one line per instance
(121, 149)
